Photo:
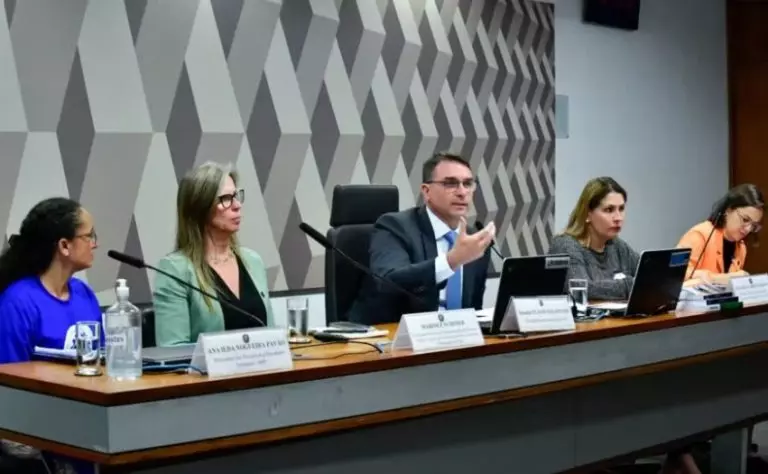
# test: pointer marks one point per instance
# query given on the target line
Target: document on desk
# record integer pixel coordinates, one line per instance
(609, 306)
(51, 353)
(485, 315)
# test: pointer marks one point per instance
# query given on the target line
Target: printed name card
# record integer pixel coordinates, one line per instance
(750, 288)
(538, 314)
(438, 330)
(241, 352)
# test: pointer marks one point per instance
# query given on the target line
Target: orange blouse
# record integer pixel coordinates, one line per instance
(712, 257)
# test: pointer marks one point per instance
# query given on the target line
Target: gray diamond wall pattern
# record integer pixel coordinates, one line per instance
(111, 101)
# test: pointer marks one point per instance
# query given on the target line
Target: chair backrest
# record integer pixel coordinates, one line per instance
(354, 210)
(148, 327)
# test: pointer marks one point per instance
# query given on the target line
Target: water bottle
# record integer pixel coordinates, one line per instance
(122, 336)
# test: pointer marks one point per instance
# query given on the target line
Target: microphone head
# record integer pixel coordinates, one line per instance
(479, 226)
(127, 259)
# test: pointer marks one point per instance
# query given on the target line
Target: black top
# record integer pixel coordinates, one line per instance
(729, 248)
(250, 301)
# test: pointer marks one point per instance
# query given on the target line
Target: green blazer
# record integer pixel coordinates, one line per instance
(181, 314)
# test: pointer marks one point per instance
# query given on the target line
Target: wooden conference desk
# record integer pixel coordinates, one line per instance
(541, 404)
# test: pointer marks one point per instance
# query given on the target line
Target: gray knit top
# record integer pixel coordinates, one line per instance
(599, 268)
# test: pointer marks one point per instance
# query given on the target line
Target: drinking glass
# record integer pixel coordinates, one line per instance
(577, 288)
(88, 348)
(298, 319)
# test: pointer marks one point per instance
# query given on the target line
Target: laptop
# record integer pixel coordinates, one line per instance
(151, 356)
(171, 355)
(658, 280)
(543, 275)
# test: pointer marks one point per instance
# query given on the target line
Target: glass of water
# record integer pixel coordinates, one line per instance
(88, 348)
(298, 319)
(577, 288)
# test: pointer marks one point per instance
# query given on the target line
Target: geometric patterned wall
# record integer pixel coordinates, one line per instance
(110, 101)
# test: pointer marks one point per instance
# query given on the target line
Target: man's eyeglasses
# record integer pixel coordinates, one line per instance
(453, 184)
(89, 236)
(226, 200)
(747, 222)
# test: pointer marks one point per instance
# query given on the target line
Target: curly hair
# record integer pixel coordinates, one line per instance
(31, 251)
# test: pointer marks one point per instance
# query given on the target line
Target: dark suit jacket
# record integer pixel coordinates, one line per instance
(403, 249)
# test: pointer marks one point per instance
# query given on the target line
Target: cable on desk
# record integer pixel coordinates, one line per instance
(297, 356)
(335, 356)
(346, 341)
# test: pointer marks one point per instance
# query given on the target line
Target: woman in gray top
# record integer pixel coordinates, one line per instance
(598, 255)
(591, 241)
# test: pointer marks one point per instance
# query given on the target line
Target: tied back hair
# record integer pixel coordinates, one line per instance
(31, 251)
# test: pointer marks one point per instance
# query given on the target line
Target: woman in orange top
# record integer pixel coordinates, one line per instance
(718, 248)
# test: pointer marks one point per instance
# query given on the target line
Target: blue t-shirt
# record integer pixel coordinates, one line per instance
(32, 317)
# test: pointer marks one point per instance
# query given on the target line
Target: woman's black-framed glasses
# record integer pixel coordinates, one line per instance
(91, 236)
(226, 200)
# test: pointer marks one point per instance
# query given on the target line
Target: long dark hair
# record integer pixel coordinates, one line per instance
(31, 251)
(743, 195)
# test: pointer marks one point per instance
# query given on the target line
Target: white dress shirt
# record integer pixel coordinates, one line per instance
(443, 270)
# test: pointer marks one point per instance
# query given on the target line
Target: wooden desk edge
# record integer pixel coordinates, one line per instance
(211, 446)
(354, 367)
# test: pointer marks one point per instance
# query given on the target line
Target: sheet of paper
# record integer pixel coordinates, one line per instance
(355, 335)
(609, 305)
(485, 314)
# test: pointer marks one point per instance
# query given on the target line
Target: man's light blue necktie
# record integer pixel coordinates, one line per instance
(453, 287)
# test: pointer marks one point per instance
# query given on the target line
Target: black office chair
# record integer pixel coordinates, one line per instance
(354, 210)
(148, 327)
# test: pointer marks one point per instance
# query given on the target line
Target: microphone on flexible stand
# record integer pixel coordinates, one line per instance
(706, 242)
(479, 226)
(320, 239)
(139, 263)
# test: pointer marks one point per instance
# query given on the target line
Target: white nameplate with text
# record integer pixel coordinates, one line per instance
(750, 288)
(438, 330)
(243, 351)
(538, 314)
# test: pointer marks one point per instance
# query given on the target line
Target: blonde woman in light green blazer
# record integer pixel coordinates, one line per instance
(208, 256)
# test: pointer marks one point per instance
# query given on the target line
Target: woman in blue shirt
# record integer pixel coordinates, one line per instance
(40, 300)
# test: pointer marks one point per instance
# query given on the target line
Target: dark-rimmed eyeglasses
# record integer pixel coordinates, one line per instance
(747, 222)
(453, 184)
(91, 236)
(226, 200)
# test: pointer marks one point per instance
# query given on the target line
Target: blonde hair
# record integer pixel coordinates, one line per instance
(195, 204)
(591, 196)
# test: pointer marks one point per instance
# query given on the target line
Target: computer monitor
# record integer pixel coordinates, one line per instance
(658, 281)
(543, 275)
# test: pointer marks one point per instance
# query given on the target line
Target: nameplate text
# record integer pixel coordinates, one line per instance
(750, 288)
(438, 330)
(241, 352)
(538, 314)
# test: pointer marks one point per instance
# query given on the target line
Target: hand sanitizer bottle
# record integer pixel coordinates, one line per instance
(122, 335)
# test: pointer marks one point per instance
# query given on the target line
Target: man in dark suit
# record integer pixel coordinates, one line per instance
(428, 250)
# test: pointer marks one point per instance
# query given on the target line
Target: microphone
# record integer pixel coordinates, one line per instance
(706, 242)
(139, 263)
(320, 239)
(479, 225)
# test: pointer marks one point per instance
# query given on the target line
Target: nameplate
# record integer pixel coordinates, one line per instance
(242, 352)
(750, 288)
(438, 330)
(538, 314)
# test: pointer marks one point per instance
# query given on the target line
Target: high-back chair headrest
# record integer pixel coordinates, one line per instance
(362, 203)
